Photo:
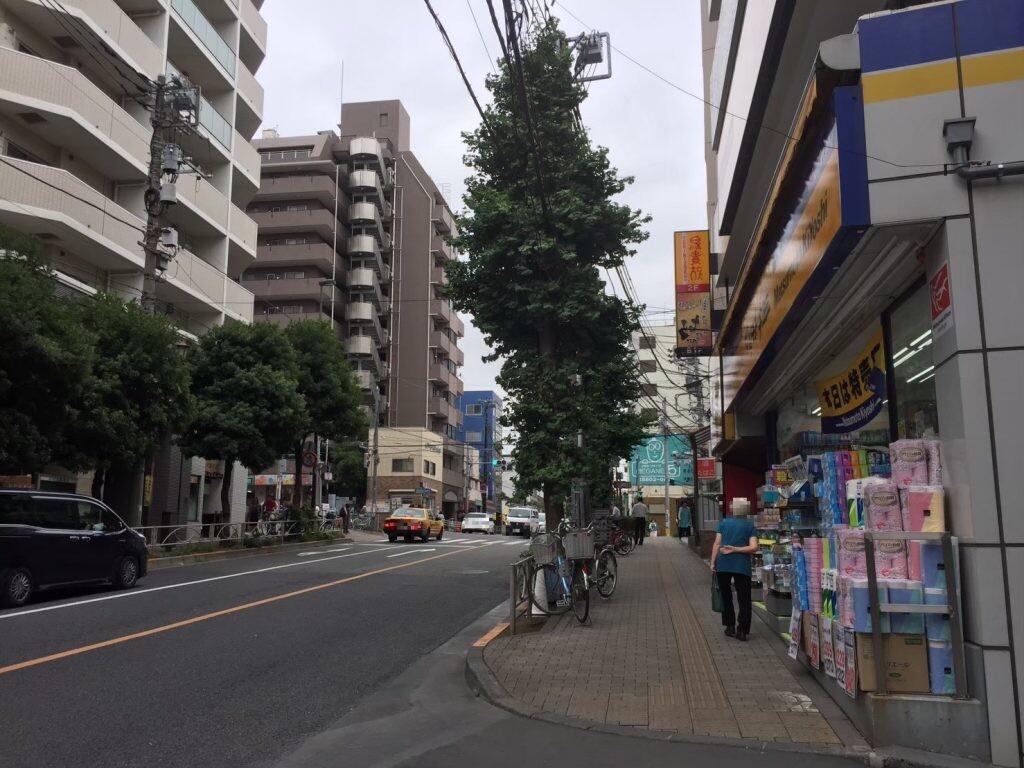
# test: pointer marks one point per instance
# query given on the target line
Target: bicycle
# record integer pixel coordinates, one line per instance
(622, 542)
(598, 562)
(564, 581)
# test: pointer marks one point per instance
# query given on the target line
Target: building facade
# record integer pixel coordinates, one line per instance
(481, 428)
(74, 159)
(871, 238)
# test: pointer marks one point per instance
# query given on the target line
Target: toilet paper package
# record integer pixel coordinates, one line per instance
(923, 508)
(861, 605)
(882, 507)
(940, 667)
(937, 624)
(909, 459)
(933, 566)
(934, 450)
(906, 592)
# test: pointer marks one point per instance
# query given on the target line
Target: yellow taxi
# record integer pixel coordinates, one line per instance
(413, 522)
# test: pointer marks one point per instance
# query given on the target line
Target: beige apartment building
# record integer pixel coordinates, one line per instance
(74, 157)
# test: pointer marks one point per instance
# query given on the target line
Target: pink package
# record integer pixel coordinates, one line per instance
(924, 508)
(909, 459)
(852, 558)
(934, 451)
(882, 507)
(891, 560)
(914, 570)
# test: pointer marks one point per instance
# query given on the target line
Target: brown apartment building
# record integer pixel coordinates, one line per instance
(351, 230)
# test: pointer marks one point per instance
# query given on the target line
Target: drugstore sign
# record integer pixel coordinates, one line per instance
(647, 462)
(856, 396)
(812, 231)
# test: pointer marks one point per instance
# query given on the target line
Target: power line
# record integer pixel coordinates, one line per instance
(760, 125)
(479, 31)
(455, 58)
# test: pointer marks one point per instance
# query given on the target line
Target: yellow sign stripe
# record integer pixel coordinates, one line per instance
(214, 615)
(992, 69)
(910, 82)
(490, 635)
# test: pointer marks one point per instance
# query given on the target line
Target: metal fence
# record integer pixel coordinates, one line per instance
(519, 586)
(171, 536)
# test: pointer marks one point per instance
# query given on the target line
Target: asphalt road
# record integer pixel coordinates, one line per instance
(231, 663)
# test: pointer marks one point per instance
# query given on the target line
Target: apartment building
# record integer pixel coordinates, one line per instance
(867, 214)
(481, 429)
(74, 158)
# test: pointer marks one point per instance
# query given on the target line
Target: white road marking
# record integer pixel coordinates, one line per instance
(134, 592)
(411, 552)
(514, 544)
(322, 552)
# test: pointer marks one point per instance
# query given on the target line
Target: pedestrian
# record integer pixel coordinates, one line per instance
(731, 554)
(685, 521)
(639, 513)
(344, 518)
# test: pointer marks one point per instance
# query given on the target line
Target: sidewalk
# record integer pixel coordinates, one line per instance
(655, 659)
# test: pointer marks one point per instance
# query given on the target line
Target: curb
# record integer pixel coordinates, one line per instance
(171, 561)
(485, 685)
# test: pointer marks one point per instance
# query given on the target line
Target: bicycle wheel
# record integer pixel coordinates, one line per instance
(622, 543)
(606, 573)
(580, 594)
(559, 594)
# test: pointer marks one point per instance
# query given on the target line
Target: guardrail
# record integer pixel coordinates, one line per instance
(519, 587)
(171, 536)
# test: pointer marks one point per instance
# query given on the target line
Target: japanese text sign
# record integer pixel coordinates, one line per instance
(852, 399)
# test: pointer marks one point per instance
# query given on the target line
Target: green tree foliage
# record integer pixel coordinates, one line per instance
(45, 360)
(538, 236)
(248, 406)
(349, 471)
(138, 391)
(328, 386)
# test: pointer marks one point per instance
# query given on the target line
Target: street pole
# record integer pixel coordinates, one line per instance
(696, 516)
(155, 206)
(376, 452)
(664, 429)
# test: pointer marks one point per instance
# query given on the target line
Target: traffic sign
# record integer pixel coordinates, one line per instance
(309, 459)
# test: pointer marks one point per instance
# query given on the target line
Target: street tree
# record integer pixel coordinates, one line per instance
(542, 226)
(44, 360)
(248, 407)
(137, 394)
(325, 380)
(349, 469)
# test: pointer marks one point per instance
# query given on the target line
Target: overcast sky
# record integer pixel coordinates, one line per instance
(391, 49)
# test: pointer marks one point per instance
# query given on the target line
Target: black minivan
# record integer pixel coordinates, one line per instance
(57, 539)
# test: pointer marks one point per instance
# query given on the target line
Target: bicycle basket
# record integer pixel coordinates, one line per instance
(544, 548)
(579, 545)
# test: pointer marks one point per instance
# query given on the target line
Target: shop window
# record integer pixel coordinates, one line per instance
(912, 388)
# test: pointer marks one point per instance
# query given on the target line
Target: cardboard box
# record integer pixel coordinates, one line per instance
(906, 659)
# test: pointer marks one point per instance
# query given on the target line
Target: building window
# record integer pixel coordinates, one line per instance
(913, 367)
(648, 366)
(383, 120)
(650, 389)
(474, 437)
(402, 465)
(648, 342)
(292, 309)
(429, 468)
(294, 274)
(475, 409)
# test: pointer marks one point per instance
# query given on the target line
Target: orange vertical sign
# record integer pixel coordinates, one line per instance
(693, 293)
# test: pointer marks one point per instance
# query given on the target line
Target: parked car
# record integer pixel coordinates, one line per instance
(538, 524)
(477, 522)
(56, 539)
(414, 522)
(522, 521)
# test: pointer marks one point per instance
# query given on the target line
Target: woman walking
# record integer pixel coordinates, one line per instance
(735, 542)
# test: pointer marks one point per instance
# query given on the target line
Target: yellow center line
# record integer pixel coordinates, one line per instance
(214, 615)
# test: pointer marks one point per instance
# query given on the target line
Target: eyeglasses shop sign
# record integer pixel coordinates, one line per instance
(647, 462)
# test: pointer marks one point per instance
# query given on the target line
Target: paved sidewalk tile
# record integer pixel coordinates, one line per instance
(654, 657)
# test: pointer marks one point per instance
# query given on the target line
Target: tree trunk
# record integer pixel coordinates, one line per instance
(97, 483)
(297, 495)
(225, 490)
(552, 510)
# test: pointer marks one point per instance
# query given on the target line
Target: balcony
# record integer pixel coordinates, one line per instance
(365, 314)
(367, 183)
(457, 355)
(253, 47)
(440, 407)
(69, 111)
(317, 255)
(442, 218)
(367, 380)
(363, 282)
(364, 253)
(242, 233)
(40, 200)
(458, 327)
(209, 207)
(437, 276)
(249, 103)
(202, 31)
(106, 24)
(247, 170)
(296, 289)
(441, 308)
(191, 282)
(366, 216)
(440, 249)
(441, 341)
(361, 346)
(319, 187)
(282, 222)
(365, 149)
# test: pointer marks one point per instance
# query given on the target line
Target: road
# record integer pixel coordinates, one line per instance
(227, 663)
(347, 655)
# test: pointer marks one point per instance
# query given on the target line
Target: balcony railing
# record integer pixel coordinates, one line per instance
(207, 33)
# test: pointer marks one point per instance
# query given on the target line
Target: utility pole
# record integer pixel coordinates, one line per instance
(376, 452)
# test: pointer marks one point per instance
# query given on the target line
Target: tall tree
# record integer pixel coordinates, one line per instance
(328, 386)
(542, 226)
(248, 406)
(45, 358)
(139, 390)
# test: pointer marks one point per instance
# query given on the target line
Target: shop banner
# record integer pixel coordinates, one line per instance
(709, 469)
(815, 655)
(856, 396)
(851, 665)
(795, 626)
(828, 653)
(839, 643)
(647, 461)
(693, 293)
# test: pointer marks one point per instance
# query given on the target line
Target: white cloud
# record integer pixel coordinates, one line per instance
(393, 50)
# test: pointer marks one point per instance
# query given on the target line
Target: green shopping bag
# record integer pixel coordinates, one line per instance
(716, 595)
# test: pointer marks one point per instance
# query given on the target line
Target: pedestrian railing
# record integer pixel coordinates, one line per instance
(171, 536)
(519, 586)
